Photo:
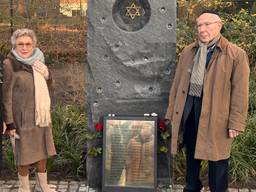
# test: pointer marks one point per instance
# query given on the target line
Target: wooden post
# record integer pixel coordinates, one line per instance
(11, 15)
(1, 112)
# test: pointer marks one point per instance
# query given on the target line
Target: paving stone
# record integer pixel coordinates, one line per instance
(63, 183)
(167, 189)
(177, 187)
(5, 186)
(91, 189)
(32, 182)
(82, 184)
(170, 189)
(178, 190)
(232, 190)
(62, 190)
(73, 187)
(16, 185)
(73, 183)
(11, 182)
(83, 189)
(2, 182)
(62, 186)
(52, 186)
(253, 190)
(205, 189)
(5, 190)
(243, 190)
(53, 182)
(72, 190)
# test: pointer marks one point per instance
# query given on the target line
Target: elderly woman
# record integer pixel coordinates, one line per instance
(26, 104)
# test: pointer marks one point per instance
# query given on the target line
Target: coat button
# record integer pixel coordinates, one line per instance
(177, 112)
(183, 91)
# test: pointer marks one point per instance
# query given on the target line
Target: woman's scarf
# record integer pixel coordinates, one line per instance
(42, 97)
(197, 76)
(36, 55)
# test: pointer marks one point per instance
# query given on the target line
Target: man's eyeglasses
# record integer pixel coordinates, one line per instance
(206, 24)
(27, 45)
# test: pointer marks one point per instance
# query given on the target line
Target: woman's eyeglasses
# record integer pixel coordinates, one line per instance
(26, 45)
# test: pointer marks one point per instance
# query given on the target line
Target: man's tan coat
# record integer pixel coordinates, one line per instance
(225, 99)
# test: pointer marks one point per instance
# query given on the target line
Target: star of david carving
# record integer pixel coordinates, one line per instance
(133, 11)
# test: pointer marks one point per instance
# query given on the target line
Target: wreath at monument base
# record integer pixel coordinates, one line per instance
(97, 136)
(164, 135)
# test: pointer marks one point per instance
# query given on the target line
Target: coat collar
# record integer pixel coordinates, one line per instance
(17, 65)
(222, 43)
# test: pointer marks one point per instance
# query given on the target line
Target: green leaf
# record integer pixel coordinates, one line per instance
(163, 149)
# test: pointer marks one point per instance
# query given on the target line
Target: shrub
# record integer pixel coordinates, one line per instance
(8, 157)
(243, 158)
(241, 30)
(70, 137)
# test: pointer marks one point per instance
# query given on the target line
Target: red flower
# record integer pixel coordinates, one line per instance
(162, 125)
(98, 127)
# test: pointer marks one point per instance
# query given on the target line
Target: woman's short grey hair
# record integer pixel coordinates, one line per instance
(23, 32)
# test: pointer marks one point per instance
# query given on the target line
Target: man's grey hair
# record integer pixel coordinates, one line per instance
(23, 32)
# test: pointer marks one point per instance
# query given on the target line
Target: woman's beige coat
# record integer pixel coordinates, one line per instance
(35, 143)
(225, 99)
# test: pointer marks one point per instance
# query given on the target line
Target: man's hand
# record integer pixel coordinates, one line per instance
(233, 133)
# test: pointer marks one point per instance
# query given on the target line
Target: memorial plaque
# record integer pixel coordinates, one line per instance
(129, 154)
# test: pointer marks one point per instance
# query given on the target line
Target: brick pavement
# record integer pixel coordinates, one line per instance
(62, 186)
(80, 186)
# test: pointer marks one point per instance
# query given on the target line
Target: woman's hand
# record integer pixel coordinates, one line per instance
(10, 133)
(4, 128)
(41, 68)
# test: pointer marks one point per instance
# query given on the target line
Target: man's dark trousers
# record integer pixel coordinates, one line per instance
(218, 170)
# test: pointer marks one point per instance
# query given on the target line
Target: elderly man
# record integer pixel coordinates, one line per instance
(208, 102)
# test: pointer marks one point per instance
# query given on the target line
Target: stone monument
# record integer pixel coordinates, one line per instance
(131, 63)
